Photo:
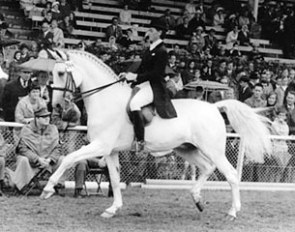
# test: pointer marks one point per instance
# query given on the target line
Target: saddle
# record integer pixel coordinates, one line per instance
(148, 111)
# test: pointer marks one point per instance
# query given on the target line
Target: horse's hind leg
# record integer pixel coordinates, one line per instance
(231, 176)
(206, 168)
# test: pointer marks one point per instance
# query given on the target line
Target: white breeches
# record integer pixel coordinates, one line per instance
(143, 97)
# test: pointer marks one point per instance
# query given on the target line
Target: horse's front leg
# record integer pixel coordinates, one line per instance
(114, 171)
(93, 149)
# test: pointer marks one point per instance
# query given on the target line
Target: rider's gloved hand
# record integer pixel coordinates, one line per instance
(131, 76)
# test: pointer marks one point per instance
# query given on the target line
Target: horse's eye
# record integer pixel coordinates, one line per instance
(61, 73)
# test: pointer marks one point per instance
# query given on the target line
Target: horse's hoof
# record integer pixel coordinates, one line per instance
(201, 205)
(230, 218)
(46, 194)
(107, 214)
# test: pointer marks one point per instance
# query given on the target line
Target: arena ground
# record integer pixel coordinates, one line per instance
(149, 210)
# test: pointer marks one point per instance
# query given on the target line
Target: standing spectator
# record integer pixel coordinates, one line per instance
(38, 148)
(125, 16)
(28, 105)
(219, 17)
(58, 35)
(256, 101)
(114, 30)
(13, 91)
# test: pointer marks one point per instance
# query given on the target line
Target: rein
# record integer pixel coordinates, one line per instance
(70, 87)
(95, 90)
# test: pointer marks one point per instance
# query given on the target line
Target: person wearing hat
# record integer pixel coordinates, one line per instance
(150, 79)
(38, 148)
(13, 91)
(55, 10)
(25, 108)
(219, 17)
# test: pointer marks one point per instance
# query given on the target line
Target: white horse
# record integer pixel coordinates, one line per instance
(197, 134)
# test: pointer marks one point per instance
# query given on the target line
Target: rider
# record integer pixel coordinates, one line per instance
(150, 79)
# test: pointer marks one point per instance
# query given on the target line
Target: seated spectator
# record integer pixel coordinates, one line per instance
(196, 22)
(235, 51)
(125, 16)
(38, 148)
(220, 71)
(34, 49)
(180, 19)
(190, 7)
(24, 49)
(244, 36)
(96, 47)
(81, 171)
(45, 88)
(271, 102)
(5, 33)
(244, 90)
(168, 19)
(112, 46)
(281, 89)
(255, 54)
(13, 91)
(56, 14)
(183, 30)
(58, 35)
(2, 165)
(232, 37)
(25, 108)
(210, 39)
(189, 72)
(219, 17)
(13, 66)
(65, 8)
(114, 30)
(67, 27)
(127, 39)
(244, 18)
(256, 100)
(290, 107)
(46, 9)
(64, 116)
(48, 17)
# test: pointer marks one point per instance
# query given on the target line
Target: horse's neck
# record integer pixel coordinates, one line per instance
(108, 102)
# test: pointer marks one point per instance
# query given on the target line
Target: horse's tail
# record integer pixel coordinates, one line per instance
(251, 126)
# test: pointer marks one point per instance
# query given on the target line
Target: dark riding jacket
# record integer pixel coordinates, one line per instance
(152, 69)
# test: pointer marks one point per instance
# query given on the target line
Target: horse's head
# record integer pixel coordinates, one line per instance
(64, 81)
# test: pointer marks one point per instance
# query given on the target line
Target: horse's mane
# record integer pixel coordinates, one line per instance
(96, 60)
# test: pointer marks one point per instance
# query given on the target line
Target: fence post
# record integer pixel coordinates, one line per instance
(240, 161)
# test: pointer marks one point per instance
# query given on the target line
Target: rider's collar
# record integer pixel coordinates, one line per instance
(155, 44)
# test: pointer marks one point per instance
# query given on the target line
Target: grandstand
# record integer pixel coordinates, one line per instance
(96, 15)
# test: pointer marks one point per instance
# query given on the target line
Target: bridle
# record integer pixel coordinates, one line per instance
(70, 86)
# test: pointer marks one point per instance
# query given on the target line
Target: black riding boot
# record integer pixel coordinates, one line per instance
(138, 123)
